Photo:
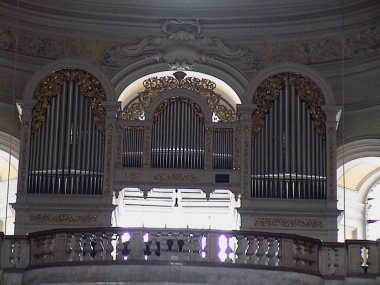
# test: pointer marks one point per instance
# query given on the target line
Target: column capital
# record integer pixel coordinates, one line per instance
(333, 114)
(25, 108)
(246, 111)
(111, 108)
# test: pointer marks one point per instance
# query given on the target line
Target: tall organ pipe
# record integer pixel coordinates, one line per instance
(288, 155)
(66, 149)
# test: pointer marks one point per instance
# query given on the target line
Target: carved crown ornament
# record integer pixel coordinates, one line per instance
(155, 85)
(51, 86)
(190, 49)
(306, 89)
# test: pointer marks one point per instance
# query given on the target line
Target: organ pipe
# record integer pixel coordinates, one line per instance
(288, 155)
(67, 151)
(178, 136)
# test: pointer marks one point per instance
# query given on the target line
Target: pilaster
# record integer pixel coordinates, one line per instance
(25, 108)
(245, 112)
(110, 145)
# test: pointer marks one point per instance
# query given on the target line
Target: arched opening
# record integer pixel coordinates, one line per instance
(178, 113)
(8, 186)
(359, 199)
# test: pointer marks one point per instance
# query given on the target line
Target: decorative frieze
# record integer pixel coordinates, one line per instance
(176, 177)
(288, 223)
(62, 218)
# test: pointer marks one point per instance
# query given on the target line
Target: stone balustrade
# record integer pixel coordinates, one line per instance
(259, 250)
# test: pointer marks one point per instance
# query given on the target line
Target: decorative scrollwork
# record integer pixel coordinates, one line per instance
(306, 89)
(176, 177)
(51, 85)
(288, 223)
(63, 218)
(156, 85)
(167, 102)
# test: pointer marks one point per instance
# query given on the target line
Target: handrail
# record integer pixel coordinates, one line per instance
(258, 249)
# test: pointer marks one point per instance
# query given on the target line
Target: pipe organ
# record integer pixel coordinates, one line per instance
(177, 133)
(67, 144)
(288, 145)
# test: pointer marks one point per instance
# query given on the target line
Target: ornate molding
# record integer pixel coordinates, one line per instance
(62, 218)
(155, 85)
(51, 85)
(306, 89)
(168, 101)
(194, 49)
(132, 176)
(288, 223)
(176, 177)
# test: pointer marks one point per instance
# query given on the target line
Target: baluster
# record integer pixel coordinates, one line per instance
(77, 248)
(195, 247)
(184, 248)
(212, 245)
(108, 247)
(97, 247)
(36, 250)
(69, 250)
(299, 256)
(333, 260)
(240, 252)
(47, 249)
(155, 247)
(14, 257)
(122, 251)
(272, 251)
(164, 247)
(251, 251)
(373, 259)
(230, 250)
(87, 249)
(310, 257)
(261, 251)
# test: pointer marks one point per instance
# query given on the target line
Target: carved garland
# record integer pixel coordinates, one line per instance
(156, 85)
(51, 86)
(306, 89)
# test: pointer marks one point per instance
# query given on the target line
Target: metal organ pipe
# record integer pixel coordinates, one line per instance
(289, 156)
(178, 137)
(67, 151)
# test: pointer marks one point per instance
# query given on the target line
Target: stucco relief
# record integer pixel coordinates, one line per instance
(185, 35)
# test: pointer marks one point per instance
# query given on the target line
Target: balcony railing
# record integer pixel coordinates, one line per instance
(238, 248)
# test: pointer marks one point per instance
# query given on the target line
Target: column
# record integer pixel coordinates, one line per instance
(245, 112)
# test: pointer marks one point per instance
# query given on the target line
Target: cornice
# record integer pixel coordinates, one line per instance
(247, 22)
